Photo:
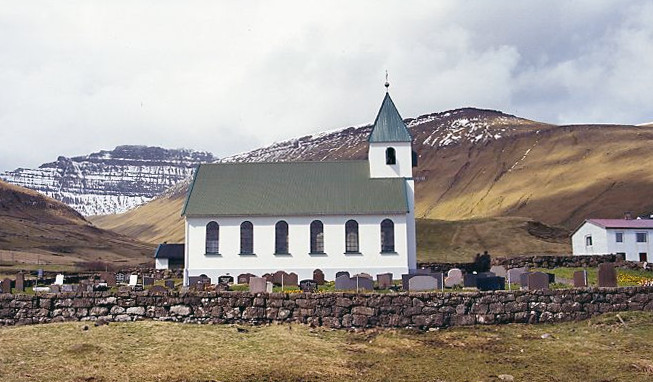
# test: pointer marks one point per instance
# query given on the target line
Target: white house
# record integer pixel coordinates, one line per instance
(630, 237)
(258, 218)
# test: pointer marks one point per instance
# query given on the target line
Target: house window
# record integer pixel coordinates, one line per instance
(212, 235)
(387, 236)
(642, 237)
(390, 156)
(619, 237)
(642, 256)
(317, 237)
(351, 237)
(281, 238)
(588, 241)
(246, 238)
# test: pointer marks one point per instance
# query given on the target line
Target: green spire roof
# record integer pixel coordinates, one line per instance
(388, 126)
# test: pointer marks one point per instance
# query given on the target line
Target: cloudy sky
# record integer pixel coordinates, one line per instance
(229, 76)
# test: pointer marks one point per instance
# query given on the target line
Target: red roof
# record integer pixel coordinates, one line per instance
(622, 223)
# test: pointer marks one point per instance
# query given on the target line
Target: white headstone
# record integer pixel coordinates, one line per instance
(133, 280)
(58, 280)
(269, 287)
(454, 277)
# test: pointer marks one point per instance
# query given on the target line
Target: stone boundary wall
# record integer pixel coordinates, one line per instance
(569, 261)
(335, 310)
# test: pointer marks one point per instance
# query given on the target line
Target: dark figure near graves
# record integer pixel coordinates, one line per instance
(482, 263)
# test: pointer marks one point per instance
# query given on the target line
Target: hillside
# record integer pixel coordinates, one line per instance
(475, 165)
(110, 181)
(35, 228)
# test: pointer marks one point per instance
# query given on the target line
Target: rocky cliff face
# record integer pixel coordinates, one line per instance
(109, 182)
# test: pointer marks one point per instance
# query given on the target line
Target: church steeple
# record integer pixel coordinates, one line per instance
(389, 151)
(388, 125)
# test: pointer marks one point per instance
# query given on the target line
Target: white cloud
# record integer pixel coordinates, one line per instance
(77, 77)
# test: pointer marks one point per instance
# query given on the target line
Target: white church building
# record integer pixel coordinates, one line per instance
(355, 215)
(628, 237)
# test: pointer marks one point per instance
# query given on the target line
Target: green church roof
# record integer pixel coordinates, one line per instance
(388, 125)
(292, 189)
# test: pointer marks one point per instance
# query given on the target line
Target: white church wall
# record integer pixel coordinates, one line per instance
(230, 261)
(378, 167)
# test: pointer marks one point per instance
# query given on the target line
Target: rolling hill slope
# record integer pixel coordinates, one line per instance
(34, 227)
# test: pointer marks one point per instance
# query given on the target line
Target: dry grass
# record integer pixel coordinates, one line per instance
(602, 349)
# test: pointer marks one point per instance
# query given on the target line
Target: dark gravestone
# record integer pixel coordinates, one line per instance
(6, 286)
(122, 278)
(491, 283)
(363, 274)
(291, 280)
(362, 283)
(308, 286)
(279, 277)
(138, 288)
(318, 277)
(267, 277)
(384, 280)
(170, 284)
(552, 278)
(523, 279)
(20, 283)
(343, 282)
(342, 273)
(470, 280)
(580, 279)
(157, 290)
(223, 280)
(538, 280)
(147, 281)
(607, 275)
(243, 278)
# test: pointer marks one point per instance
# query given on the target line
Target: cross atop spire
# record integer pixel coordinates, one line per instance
(387, 84)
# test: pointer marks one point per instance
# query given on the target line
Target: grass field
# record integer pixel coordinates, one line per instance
(602, 349)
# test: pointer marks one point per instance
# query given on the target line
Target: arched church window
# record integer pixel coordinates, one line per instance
(281, 238)
(246, 238)
(317, 237)
(212, 237)
(390, 156)
(387, 236)
(351, 236)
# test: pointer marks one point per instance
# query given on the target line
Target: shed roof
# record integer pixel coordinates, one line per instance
(169, 251)
(388, 125)
(292, 189)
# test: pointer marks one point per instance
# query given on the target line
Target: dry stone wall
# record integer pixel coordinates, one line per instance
(336, 310)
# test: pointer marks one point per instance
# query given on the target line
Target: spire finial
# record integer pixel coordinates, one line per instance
(387, 84)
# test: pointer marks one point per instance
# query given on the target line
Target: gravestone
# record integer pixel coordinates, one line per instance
(499, 270)
(291, 280)
(121, 277)
(243, 278)
(58, 280)
(147, 281)
(580, 279)
(280, 277)
(362, 283)
(343, 282)
(133, 280)
(552, 277)
(537, 280)
(470, 280)
(523, 280)
(67, 288)
(491, 283)
(269, 287)
(318, 277)
(422, 283)
(158, 290)
(513, 276)
(20, 282)
(308, 286)
(607, 275)
(342, 273)
(454, 277)
(109, 278)
(6, 286)
(54, 288)
(363, 274)
(404, 280)
(267, 277)
(257, 285)
(384, 280)
(170, 284)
